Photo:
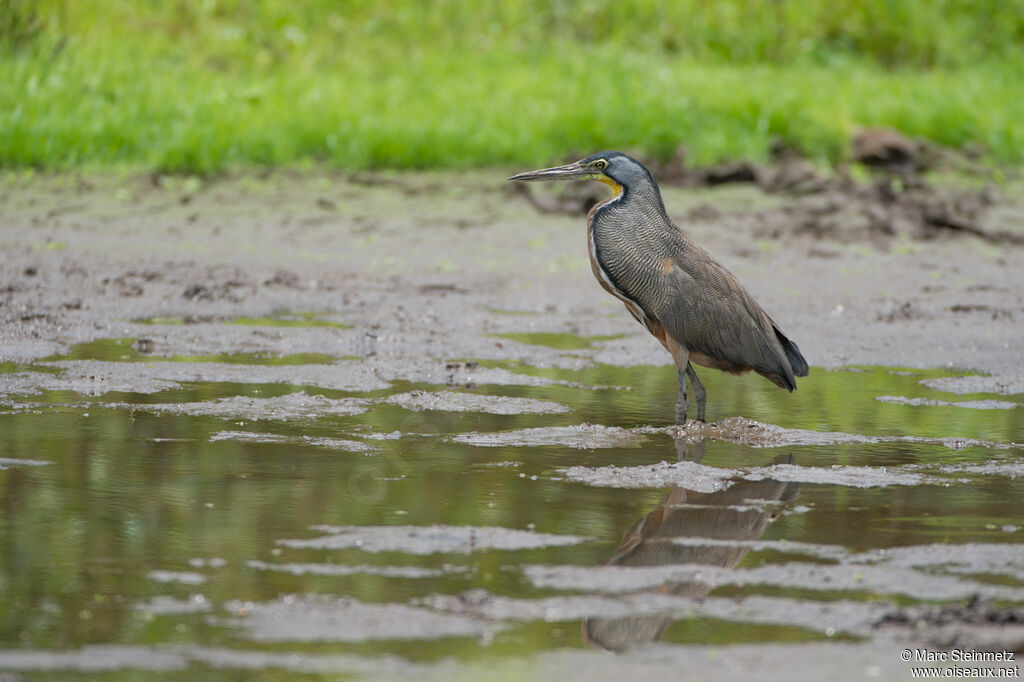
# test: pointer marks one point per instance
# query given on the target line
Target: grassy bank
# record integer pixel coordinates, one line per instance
(204, 86)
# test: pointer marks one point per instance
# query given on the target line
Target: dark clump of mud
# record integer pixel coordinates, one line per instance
(889, 208)
(977, 626)
(976, 611)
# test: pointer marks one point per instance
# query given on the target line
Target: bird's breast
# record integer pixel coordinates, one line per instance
(597, 262)
(619, 266)
(626, 253)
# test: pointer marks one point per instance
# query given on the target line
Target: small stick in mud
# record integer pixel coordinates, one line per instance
(695, 307)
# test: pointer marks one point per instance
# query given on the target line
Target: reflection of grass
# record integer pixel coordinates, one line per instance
(189, 86)
(15, 367)
(121, 350)
(715, 631)
(556, 340)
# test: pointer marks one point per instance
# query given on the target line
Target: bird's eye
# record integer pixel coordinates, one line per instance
(600, 164)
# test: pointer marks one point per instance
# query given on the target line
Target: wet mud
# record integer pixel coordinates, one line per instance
(311, 619)
(977, 624)
(971, 404)
(758, 435)
(339, 570)
(581, 436)
(702, 478)
(329, 443)
(454, 401)
(389, 428)
(428, 539)
(299, 405)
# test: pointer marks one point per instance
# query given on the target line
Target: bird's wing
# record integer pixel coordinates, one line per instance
(704, 307)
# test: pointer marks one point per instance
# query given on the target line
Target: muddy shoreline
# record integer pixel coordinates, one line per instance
(425, 269)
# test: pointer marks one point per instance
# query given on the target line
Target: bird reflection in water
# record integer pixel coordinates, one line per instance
(742, 511)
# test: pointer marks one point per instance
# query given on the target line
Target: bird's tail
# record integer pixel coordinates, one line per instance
(796, 359)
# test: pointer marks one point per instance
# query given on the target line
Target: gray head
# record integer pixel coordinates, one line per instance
(622, 172)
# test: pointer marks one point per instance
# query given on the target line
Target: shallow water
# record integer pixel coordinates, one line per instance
(556, 340)
(131, 350)
(380, 531)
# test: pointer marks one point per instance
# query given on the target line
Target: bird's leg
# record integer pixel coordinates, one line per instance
(699, 394)
(681, 357)
(682, 404)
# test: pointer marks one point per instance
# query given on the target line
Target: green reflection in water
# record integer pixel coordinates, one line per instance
(192, 672)
(15, 368)
(713, 631)
(129, 492)
(556, 340)
(122, 350)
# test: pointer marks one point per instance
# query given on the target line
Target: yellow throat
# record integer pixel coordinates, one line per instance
(616, 187)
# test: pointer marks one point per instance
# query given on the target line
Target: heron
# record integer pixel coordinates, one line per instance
(685, 298)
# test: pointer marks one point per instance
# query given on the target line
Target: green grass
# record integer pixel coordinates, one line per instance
(208, 86)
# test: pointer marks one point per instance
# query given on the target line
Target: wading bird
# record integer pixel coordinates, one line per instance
(695, 307)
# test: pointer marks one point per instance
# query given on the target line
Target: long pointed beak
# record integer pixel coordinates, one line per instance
(570, 172)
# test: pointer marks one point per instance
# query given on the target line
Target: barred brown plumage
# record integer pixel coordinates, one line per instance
(695, 307)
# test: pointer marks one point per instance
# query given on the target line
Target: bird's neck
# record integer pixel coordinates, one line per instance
(639, 204)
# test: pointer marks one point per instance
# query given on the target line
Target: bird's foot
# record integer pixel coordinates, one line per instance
(682, 407)
(684, 421)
